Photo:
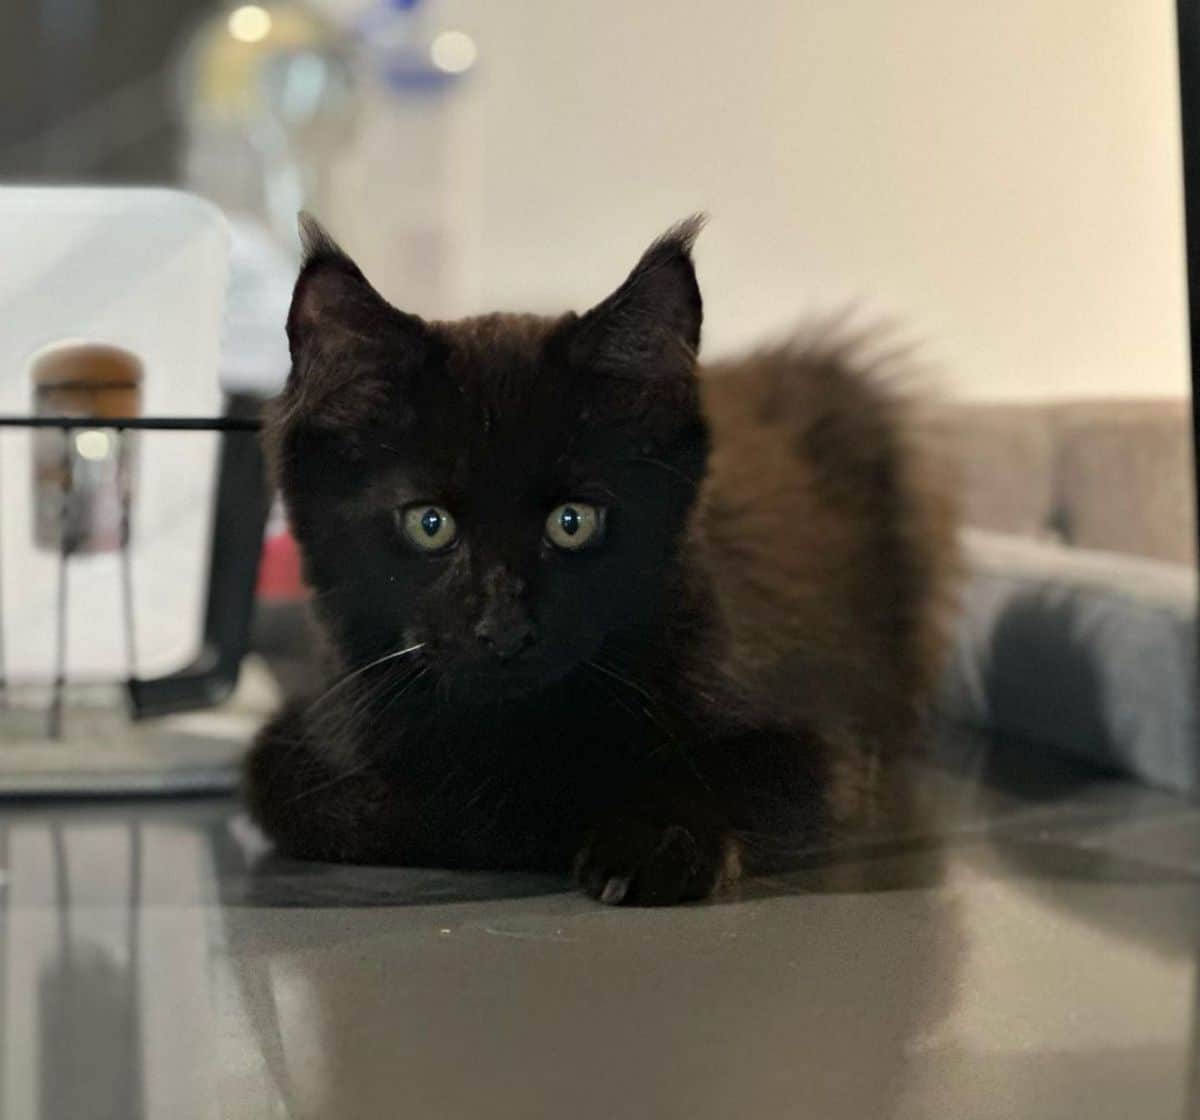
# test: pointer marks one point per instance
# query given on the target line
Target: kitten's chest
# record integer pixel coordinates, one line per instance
(518, 790)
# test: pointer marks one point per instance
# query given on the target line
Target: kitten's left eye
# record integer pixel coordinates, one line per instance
(573, 525)
(430, 528)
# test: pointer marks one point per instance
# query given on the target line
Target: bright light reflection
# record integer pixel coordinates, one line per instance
(250, 23)
(453, 51)
(93, 446)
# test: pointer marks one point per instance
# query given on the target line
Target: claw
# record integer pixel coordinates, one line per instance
(615, 890)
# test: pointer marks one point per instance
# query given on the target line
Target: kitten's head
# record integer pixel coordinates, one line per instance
(508, 491)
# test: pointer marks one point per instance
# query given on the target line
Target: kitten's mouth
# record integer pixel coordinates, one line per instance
(494, 680)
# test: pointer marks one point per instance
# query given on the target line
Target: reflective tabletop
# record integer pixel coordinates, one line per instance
(1036, 959)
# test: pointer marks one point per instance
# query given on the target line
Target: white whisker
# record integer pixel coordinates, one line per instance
(620, 677)
(354, 770)
(359, 672)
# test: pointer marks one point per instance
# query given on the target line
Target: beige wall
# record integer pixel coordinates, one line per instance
(1002, 175)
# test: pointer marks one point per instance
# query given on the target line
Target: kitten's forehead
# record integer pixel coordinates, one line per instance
(512, 336)
(498, 357)
(508, 376)
(500, 406)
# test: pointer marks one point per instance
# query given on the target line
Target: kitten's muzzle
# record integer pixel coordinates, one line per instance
(504, 628)
(505, 634)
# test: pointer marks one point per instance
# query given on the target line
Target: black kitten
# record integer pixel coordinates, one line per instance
(586, 610)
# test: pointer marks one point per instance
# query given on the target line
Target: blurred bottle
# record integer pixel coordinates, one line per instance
(407, 189)
(268, 101)
(369, 123)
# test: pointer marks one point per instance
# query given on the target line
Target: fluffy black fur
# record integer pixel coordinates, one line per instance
(506, 704)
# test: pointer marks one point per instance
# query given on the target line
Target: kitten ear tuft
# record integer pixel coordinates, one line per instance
(650, 326)
(675, 244)
(315, 241)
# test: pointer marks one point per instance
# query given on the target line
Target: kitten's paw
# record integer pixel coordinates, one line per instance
(637, 863)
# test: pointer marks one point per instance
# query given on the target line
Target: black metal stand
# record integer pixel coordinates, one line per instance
(239, 522)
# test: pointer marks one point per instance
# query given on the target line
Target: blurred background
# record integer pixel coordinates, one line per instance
(1004, 179)
(1001, 180)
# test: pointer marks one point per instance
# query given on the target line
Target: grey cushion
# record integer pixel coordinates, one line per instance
(1086, 652)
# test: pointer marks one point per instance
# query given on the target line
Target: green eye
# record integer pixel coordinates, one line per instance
(573, 525)
(430, 528)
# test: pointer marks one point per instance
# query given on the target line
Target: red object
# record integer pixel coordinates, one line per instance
(279, 579)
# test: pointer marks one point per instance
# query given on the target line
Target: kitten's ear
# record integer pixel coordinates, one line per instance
(351, 350)
(333, 301)
(650, 326)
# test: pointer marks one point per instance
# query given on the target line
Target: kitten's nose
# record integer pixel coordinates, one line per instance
(504, 628)
(505, 637)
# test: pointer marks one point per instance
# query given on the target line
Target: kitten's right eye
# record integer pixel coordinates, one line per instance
(575, 525)
(430, 528)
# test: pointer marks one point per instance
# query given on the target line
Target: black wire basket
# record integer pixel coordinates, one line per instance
(240, 506)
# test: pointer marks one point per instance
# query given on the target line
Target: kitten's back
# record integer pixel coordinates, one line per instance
(826, 523)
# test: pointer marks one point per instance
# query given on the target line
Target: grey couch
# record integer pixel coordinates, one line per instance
(1078, 627)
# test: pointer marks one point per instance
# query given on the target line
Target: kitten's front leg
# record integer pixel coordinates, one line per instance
(671, 844)
(684, 837)
(308, 808)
